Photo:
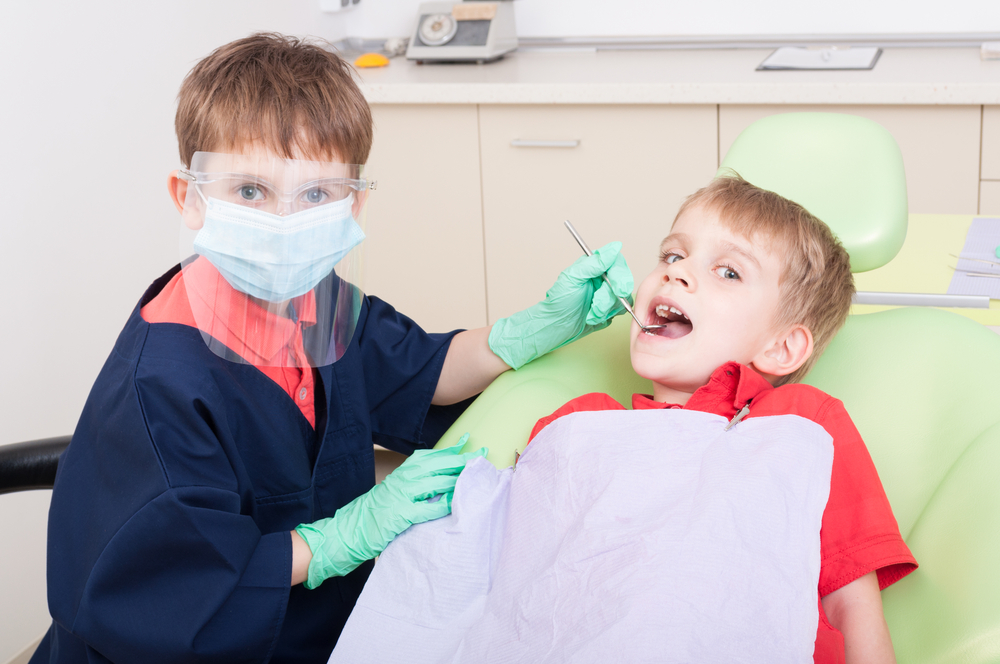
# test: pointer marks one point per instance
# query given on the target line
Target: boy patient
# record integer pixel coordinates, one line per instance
(750, 288)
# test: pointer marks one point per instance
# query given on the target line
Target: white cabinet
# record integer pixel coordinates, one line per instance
(425, 230)
(989, 186)
(616, 172)
(940, 146)
(989, 198)
(991, 143)
(467, 223)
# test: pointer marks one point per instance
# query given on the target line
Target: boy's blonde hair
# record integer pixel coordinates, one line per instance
(816, 282)
(280, 92)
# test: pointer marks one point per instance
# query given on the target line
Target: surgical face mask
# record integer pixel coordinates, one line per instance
(272, 257)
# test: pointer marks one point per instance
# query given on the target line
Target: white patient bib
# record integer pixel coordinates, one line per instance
(622, 536)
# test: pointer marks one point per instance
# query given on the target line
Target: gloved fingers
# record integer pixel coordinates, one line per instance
(605, 306)
(620, 277)
(456, 464)
(445, 483)
(450, 465)
(448, 461)
(589, 267)
(442, 451)
(606, 303)
(409, 478)
(433, 486)
(428, 511)
(457, 447)
(444, 460)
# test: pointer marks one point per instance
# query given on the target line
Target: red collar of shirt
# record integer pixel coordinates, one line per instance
(729, 389)
(200, 297)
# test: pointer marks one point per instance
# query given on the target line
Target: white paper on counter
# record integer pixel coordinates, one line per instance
(981, 244)
(797, 57)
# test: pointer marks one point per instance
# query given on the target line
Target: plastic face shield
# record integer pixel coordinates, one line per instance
(272, 253)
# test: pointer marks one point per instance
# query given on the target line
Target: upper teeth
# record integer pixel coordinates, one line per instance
(662, 310)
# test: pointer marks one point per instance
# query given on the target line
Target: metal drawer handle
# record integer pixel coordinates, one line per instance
(521, 143)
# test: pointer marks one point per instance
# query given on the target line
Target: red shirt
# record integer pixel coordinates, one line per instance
(859, 532)
(264, 339)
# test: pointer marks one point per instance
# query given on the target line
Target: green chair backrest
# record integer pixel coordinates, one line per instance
(922, 386)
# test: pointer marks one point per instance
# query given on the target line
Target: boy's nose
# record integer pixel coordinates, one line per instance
(677, 273)
(683, 282)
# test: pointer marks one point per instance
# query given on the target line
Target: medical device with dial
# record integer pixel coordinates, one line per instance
(469, 31)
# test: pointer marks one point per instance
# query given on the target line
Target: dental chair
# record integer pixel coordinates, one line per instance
(30, 465)
(922, 385)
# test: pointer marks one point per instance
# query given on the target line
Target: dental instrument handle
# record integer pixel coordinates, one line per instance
(586, 250)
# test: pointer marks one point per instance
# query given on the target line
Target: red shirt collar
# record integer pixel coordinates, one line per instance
(729, 389)
(257, 335)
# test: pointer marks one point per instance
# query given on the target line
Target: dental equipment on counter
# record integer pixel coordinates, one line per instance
(456, 31)
(625, 303)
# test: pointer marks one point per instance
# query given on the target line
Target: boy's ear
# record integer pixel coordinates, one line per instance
(360, 198)
(178, 190)
(788, 353)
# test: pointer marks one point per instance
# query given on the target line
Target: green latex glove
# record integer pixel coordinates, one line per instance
(579, 303)
(361, 529)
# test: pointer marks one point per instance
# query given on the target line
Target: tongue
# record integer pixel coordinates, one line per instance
(674, 329)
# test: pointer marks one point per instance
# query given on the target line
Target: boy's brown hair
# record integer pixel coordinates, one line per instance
(286, 94)
(816, 282)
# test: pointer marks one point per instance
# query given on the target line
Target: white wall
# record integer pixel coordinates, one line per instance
(543, 18)
(574, 18)
(86, 128)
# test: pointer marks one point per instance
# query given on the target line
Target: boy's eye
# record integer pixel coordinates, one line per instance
(670, 257)
(726, 272)
(249, 192)
(314, 196)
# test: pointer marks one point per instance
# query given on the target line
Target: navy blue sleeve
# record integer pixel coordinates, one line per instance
(402, 365)
(150, 558)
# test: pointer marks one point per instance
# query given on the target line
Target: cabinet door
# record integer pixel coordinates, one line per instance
(989, 188)
(629, 171)
(989, 198)
(991, 143)
(425, 229)
(940, 146)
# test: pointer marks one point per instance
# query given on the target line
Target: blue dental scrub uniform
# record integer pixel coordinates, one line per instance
(169, 525)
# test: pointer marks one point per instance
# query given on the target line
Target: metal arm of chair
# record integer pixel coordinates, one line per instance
(30, 465)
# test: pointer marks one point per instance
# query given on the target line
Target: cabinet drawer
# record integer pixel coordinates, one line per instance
(991, 143)
(940, 146)
(425, 230)
(618, 173)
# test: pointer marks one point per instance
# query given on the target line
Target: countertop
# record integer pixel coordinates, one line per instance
(707, 76)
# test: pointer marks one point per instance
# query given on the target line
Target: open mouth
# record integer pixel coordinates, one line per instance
(675, 322)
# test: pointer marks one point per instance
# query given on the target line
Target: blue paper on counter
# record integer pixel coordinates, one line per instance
(981, 243)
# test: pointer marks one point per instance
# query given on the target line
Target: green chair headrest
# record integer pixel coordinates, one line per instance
(844, 169)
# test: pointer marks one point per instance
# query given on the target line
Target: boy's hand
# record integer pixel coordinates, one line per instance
(579, 303)
(419, 490)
